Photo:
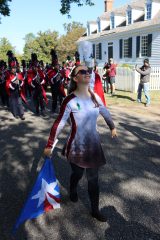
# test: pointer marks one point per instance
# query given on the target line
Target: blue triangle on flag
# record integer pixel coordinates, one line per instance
(44, 196)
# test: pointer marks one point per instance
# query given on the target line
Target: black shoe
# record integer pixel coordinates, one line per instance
(16, 117)
(74, 197)
(43, 113)
(99, 216)
(22, 118)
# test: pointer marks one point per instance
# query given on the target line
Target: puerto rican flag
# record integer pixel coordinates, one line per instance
(44, 196)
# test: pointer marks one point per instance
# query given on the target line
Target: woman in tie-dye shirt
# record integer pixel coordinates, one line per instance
(83, 149)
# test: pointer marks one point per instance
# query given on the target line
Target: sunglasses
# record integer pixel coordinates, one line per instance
(83, 72)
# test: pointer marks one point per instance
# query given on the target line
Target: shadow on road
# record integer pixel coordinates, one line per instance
(129, 183)
(124, 97)
(119, 228)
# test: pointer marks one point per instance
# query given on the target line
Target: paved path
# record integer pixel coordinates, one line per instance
(129, 183)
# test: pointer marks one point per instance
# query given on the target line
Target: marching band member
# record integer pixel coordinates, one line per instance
(3, 92)
(14, 86)
(56, 78)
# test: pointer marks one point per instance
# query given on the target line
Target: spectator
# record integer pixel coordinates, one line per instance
(106, 77)
(144, 71)
(112, 75)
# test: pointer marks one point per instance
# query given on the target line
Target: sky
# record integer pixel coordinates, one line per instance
(32, 16)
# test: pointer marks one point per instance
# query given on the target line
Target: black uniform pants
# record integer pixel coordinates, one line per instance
(56, 94)
(106, 84)
(38, 100)
(28, 90)
(4, 95)
(16, 105)
(93, 186)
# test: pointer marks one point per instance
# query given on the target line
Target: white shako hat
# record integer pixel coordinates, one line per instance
(87, 51)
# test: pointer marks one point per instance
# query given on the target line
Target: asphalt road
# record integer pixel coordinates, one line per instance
(129, 182)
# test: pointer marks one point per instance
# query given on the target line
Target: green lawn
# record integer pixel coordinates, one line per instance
(128, 98)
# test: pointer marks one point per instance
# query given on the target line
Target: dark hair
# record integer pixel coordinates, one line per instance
(146, 60)
(73, 86)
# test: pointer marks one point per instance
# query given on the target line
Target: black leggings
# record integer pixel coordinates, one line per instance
(93, 187)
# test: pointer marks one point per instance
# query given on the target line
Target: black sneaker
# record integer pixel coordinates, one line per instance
(22, 118)
(43, 113)
(99, 216)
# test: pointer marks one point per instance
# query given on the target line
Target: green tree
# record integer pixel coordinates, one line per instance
(5, 46)
(66, 5)
(69, 27)
(67, 43)
(4, 8)
(41, 45)
(43, 42)
(19, 57)
(29, 37)
(29, 46)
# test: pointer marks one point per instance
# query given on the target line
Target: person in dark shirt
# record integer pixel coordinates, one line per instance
(144, 71)
(106, 77)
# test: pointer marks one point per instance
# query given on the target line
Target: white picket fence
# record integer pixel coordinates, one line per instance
(128, 79)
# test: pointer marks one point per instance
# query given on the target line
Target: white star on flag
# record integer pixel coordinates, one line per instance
(43, 193)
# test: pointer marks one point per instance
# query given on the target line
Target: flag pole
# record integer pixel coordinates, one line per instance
(16, 226)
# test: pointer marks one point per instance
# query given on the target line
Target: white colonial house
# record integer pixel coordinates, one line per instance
(127, 34)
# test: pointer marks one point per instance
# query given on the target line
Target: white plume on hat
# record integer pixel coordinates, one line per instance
(87, 51)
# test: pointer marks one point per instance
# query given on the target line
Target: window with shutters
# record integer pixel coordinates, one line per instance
(144, 46)
(99, 51)
(126, 48)
(110, 44)
(93, 49)
(121, 48)
(149, 11)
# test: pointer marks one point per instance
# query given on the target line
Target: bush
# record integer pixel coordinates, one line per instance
(126, 65)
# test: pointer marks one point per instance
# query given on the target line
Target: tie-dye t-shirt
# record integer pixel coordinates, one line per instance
(83, 147)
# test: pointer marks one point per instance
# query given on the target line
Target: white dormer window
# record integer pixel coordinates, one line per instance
(149, 11)
(112, 22)
(129, 15)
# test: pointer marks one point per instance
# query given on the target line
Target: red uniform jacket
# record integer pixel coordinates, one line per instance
(31, 74)
(51, 74)
(10, 77)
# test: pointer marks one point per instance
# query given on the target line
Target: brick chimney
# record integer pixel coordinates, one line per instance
(108, 5)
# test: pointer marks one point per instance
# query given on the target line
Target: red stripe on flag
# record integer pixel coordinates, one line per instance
(58, 200)
(47, 206)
